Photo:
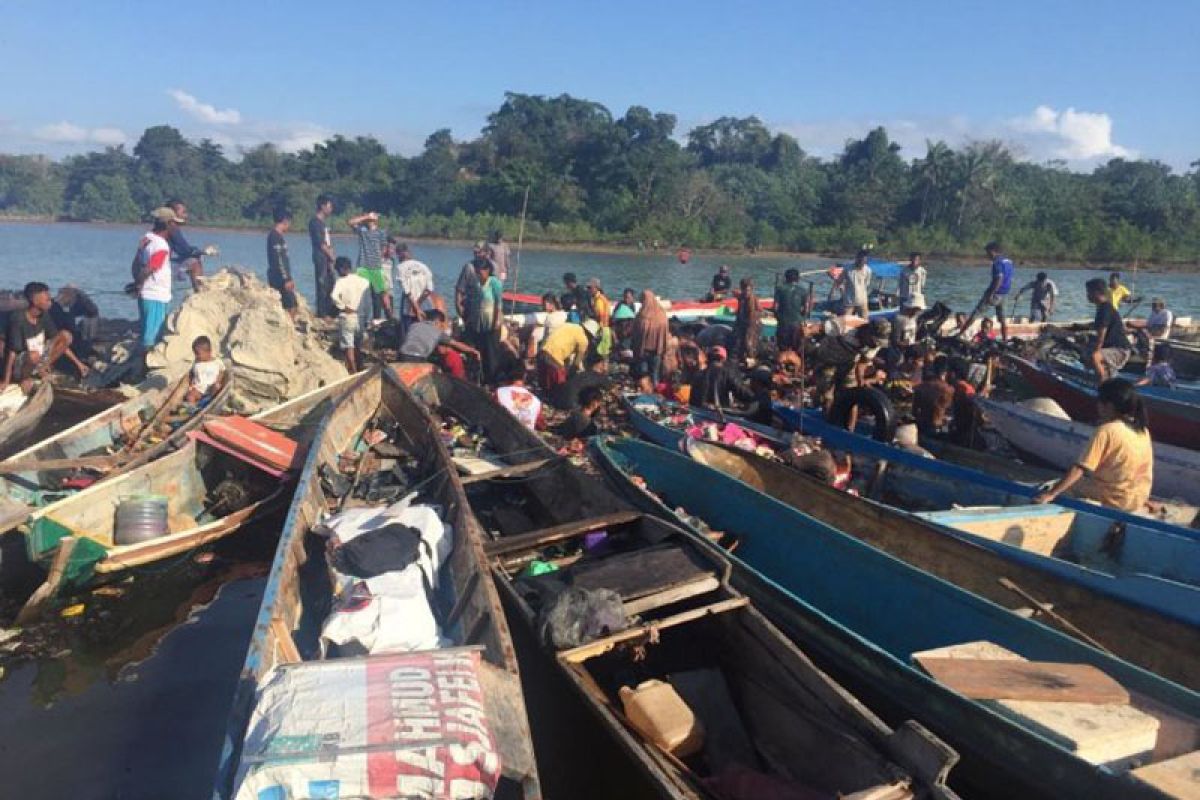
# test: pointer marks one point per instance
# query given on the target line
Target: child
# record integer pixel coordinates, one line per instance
(208, 372)
(1160, 372)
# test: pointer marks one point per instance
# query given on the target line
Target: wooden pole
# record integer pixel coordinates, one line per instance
(520, 240)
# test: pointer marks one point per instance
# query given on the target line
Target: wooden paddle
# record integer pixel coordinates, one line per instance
(100, 463)
(45, 593)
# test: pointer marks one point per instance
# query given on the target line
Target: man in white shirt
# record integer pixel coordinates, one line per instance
(912, 283)
(857, 286)
(415, 284)
(347, 298)
(1159, 323)
(152, 275)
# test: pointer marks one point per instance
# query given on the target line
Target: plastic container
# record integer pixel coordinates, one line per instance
(657, 711)
(140, 518)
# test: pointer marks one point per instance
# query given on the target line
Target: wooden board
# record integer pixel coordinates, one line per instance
(1179, 777)
(986, 679)
(1117, 735)
(1039, 534)
(642, 572)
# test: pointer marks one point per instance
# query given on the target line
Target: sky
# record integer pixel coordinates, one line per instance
(1081, 81)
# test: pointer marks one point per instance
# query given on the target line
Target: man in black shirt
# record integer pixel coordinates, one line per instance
(185, 257)
(322, 255)
(722, 282)
(279, 265)
(583, 300)
(566, 397)
(1112, 348)
(34, 340)
(77, 314)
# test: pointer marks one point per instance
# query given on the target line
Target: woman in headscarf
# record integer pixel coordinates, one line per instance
(650, 331)
(747, 329)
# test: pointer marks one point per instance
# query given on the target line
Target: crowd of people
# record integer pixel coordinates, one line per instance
(582, 342)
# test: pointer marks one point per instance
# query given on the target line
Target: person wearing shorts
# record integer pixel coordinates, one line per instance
(1112, 347)
(279, 264)
(997, 292)
(347, 298)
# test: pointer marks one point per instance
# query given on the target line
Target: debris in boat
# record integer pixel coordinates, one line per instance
(272, 358)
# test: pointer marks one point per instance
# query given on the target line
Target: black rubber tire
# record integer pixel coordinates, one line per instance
(869, 399)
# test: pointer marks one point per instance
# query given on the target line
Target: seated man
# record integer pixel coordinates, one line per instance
(34, 342)
(77, 314)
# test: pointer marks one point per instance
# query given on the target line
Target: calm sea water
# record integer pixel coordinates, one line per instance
(97, 259)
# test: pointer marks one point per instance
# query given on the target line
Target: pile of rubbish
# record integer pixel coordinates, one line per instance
(272, 359)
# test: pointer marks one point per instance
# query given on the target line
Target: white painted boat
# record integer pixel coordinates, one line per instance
(1060, 441)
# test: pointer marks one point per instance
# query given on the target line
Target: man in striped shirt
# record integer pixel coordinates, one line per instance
(371, 241)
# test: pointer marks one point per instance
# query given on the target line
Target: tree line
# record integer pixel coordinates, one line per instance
(593, 177)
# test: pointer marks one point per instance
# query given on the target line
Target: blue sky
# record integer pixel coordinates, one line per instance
(1083, 81)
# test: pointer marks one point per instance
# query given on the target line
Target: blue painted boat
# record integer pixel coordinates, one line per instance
(1149, 621)
(864, 614)
(928, 484)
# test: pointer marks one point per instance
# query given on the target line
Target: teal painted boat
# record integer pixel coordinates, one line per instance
(865, 614)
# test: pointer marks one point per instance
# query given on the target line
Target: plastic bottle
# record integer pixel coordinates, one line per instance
(657, 711)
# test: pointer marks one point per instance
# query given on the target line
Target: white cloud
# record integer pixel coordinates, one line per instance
(1079, 137)
(69, 133)
(204, 112)
(1072, 135)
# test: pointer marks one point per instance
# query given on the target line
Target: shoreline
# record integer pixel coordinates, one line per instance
(949, 259)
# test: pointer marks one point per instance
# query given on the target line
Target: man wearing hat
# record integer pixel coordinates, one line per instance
(722, 282)
(152, 275)
(371, 241)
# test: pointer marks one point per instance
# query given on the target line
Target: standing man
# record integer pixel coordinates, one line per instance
(323, 255)
(912, 283)
(152, 275)
(185, 259)
(997, 292)
(858, 287)
(33, 336)
(1118, 292)
(791, 307)
(498, 252)
(413, 286)
(1112, 347)
(371, 241)
(347, 297)
(279, 264)
(583, 301)
(1042, 299)
(468, 294)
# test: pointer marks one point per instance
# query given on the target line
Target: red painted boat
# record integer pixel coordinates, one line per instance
(1171, 421)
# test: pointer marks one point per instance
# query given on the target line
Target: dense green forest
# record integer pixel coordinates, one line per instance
(596, 178)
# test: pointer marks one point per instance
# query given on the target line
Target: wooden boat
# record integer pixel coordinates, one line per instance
(16, 427)
(1100, 595)
(867, 617)
(919, 483)
(74, 537)
(1185, 359)
(1060, 441)
(298, 593)
(1171, 421)
(693, 628)
(107, 444)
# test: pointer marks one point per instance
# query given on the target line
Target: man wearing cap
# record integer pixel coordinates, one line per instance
(912, 282)
(1161, 318)
(371, 241)
(857, 287)
(722, 283)
(997, 292)
(185, 258)
(152, 275)
(601, 308)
